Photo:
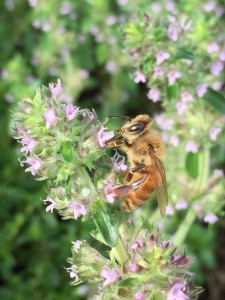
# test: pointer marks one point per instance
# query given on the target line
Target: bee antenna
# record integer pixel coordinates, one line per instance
(125, 117)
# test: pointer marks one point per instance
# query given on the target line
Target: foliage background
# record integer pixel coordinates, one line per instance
(81, 43)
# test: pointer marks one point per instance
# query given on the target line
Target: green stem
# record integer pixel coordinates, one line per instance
(118, 253)
(185, 226)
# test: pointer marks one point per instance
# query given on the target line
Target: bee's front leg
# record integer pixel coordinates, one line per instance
(136, 169)
(116, 142)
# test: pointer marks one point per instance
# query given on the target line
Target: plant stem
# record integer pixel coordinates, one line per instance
(181, 233)
(118, 252)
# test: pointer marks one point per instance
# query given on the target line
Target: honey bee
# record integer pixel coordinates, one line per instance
(144, 148)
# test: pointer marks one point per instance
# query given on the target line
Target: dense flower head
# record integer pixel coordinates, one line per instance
(147, 260)
(58, 145)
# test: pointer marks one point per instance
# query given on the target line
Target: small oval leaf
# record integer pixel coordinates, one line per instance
(106, 225)
(67, 152)
(191, 163)
(215, 99)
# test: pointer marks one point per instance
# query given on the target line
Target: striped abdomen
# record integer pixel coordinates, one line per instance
(135, 198)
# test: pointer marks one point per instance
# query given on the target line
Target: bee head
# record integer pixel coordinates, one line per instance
(136, 126)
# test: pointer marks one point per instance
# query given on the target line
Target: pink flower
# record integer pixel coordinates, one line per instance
(102, 136)
(55, 89)
(34, 162)
(158, 72)
(110, 276)
(181, 204)
(88, 114)
(161, 56)
(172, 31)
(139, 77)
(210, 6)
(191, 147)
(181, 107)
(111, 20)
(72, 271)
(216, 68)
(118, 162)
(108, 189)
(214, 131)
(32, 3)
(153, 94)
(170, 6)
(169, 210)
(156, 8)
(177, 292)
(174, 140)
(213, 47)
(50, 118)
(217, 85)
(28, 144)
(210, 218)
(197, 207)
(201, 89)
(222, 54)
(71, 111)
(134, 268)
(51, 206)
(164, 124)
(76, 245)
(78, 209)
(186, 97)
(139, 296)
(111, 67)
(139, 244)
(172, 76)
(219, 172)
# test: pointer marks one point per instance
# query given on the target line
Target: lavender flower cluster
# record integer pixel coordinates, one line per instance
(59, 141)
(142, 267)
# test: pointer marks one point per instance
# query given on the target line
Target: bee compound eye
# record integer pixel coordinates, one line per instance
(136, 127)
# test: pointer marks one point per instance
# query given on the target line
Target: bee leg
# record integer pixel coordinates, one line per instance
(136, 169)
(125, 188)
(120, 189)
(116, 142)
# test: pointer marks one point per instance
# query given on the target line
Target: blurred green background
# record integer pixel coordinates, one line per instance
(81, 43)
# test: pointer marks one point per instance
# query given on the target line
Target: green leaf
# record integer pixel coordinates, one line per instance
(106, 224)
(184, 54)
(101, 53)
(67, 152)
(191, 164)
(127, 282)
(172, 91)
(215, 99)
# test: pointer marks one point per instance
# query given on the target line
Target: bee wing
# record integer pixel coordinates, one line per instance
(160, 182)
